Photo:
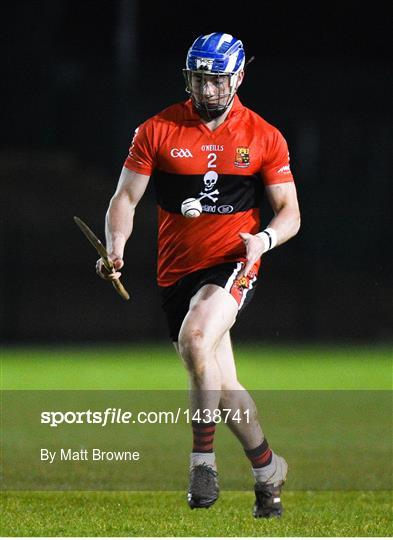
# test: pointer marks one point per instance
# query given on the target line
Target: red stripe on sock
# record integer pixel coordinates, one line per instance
(203, 437)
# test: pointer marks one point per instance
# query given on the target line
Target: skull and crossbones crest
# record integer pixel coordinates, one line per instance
(210, 180)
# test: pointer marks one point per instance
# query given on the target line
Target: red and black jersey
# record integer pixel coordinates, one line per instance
(225, 168)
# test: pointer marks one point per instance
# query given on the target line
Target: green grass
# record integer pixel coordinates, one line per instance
(166, 514)
(307, 513)
(157, 367)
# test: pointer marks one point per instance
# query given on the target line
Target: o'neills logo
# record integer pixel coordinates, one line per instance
(242, 158)
(212, 148)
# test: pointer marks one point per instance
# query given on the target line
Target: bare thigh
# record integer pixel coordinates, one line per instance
(212, 313)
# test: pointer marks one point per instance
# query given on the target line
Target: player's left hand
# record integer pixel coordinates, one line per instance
(255, 247)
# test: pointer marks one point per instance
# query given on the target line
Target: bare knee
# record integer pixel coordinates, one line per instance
(193, 343)
(195, 350)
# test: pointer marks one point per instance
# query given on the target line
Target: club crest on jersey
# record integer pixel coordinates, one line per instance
(242, 158)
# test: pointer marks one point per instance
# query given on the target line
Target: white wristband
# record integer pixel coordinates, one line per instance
(269, 238)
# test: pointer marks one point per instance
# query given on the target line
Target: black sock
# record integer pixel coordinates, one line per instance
(260, 456)
(203, 436)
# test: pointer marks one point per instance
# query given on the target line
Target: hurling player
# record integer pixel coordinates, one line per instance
(220, 157)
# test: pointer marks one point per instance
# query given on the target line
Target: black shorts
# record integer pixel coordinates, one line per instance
(176, 298)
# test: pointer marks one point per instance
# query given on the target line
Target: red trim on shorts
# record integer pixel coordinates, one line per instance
(239, 287)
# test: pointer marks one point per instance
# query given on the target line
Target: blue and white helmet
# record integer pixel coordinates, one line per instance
(220, 55)
(216, 53)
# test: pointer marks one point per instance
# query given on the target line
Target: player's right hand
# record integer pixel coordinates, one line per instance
(104, 273)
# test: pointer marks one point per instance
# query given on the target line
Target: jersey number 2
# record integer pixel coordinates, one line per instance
(212, 158)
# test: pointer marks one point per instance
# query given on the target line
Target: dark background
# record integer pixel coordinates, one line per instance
(78, 77)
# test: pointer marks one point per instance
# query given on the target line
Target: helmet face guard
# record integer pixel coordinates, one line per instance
(213, 66)
(211, 93)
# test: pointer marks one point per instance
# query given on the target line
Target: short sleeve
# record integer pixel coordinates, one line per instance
(275, 165)
(141, 155)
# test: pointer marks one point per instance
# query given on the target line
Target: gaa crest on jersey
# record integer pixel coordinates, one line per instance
(242, 158)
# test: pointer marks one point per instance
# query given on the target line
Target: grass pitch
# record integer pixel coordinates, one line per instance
(157, 367)
(307, 513)
(166, 514)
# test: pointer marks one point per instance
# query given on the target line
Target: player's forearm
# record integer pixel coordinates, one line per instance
(118, 224)
(286, 224)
